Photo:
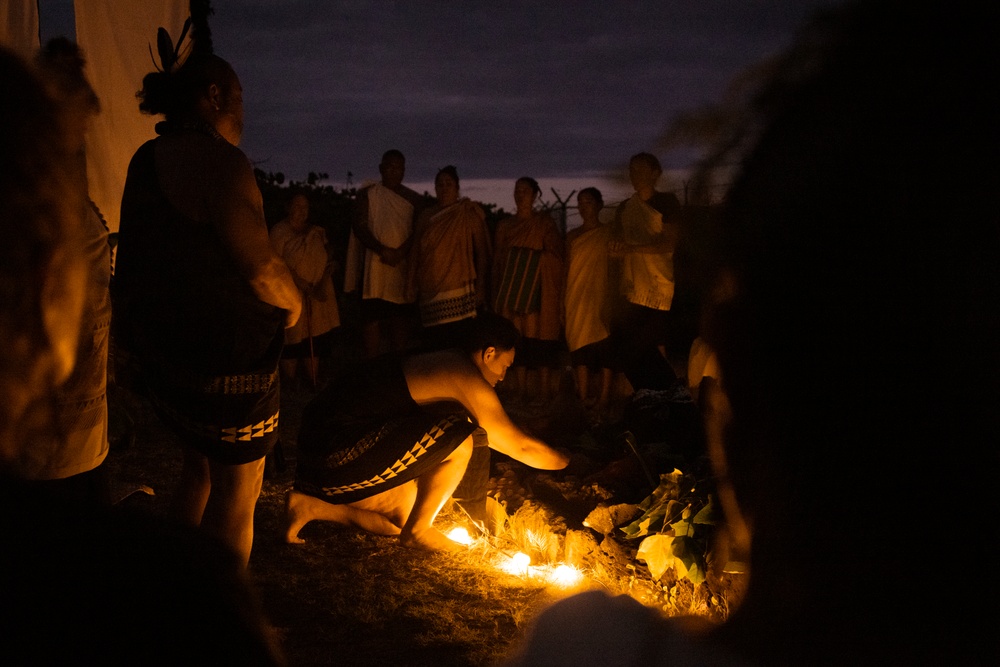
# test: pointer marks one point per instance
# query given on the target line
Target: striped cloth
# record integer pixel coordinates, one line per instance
(520, 289)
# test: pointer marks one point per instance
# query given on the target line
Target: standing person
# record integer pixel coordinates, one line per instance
(377, 257)
(75, 573)
(66, 468)
(645, 233)
(303, 247)
(201, 297)
(587, 296)
(527, 283)
(449, 263)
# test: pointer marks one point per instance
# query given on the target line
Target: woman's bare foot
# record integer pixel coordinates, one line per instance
(301, 509)
(429, 538)
(296, 515)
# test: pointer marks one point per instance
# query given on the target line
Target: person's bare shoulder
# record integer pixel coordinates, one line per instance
(434, 376)
(440, 362)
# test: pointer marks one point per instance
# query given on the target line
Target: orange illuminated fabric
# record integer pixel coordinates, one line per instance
(116, 36)
(587, 286)
(306, 256)
(444, 257)
(647, 279)
(19, 27)
(537, 233)
(520, 286)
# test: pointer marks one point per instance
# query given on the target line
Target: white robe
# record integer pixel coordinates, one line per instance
(390, 220)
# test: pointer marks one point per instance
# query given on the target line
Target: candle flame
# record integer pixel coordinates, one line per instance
(517, 564)
(460, 535)
(566, 575)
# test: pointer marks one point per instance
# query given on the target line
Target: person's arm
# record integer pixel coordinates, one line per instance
(237, 211)
(663, 243)
(362, 230)
(505, 437)
(451, 376)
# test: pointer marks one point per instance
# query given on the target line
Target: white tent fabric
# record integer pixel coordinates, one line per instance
(116, 36)
(19, 26)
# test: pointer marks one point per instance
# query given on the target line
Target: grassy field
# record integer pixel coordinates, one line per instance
(350, 598)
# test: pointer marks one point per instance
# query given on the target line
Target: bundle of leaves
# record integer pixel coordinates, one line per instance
(677, 526)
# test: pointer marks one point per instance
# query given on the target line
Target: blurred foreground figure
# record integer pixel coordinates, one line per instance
(62, 471)
(201, 298)
(96, 587)
(859, 354)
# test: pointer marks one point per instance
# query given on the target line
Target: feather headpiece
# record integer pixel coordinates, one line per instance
(172, 56)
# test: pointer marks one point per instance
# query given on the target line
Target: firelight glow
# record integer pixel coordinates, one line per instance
(460, 535)
(564, 576)
(517, 564)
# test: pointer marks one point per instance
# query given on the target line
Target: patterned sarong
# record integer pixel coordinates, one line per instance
(367, 436)
(451, 306)
(200, 342)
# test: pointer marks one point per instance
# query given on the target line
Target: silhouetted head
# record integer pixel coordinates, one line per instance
(589, 203)
(298, 212)
(204, 88)
(392, 168)
(490, 343)
(446, 185)
(644, 171)
(526, 191)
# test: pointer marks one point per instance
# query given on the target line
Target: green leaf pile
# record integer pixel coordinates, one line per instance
(675, 534)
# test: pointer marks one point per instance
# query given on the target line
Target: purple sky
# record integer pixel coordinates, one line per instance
(500, 89)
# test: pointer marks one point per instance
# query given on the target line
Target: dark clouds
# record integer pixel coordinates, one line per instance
(499, 88)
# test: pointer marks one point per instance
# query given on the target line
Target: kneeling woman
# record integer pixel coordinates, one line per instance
(385, 451)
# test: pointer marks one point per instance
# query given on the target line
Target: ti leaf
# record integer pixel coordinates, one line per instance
(657, 551)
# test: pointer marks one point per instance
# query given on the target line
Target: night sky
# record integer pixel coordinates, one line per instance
(500, 89)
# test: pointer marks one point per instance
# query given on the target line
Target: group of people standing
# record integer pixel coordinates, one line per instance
(424, 268)
(432, 277)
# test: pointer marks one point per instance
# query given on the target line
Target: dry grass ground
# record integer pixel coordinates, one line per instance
(349, 598)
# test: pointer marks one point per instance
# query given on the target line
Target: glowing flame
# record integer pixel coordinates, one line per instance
(517, 564)
(460, 535)
(566, 575)
(563, 575)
